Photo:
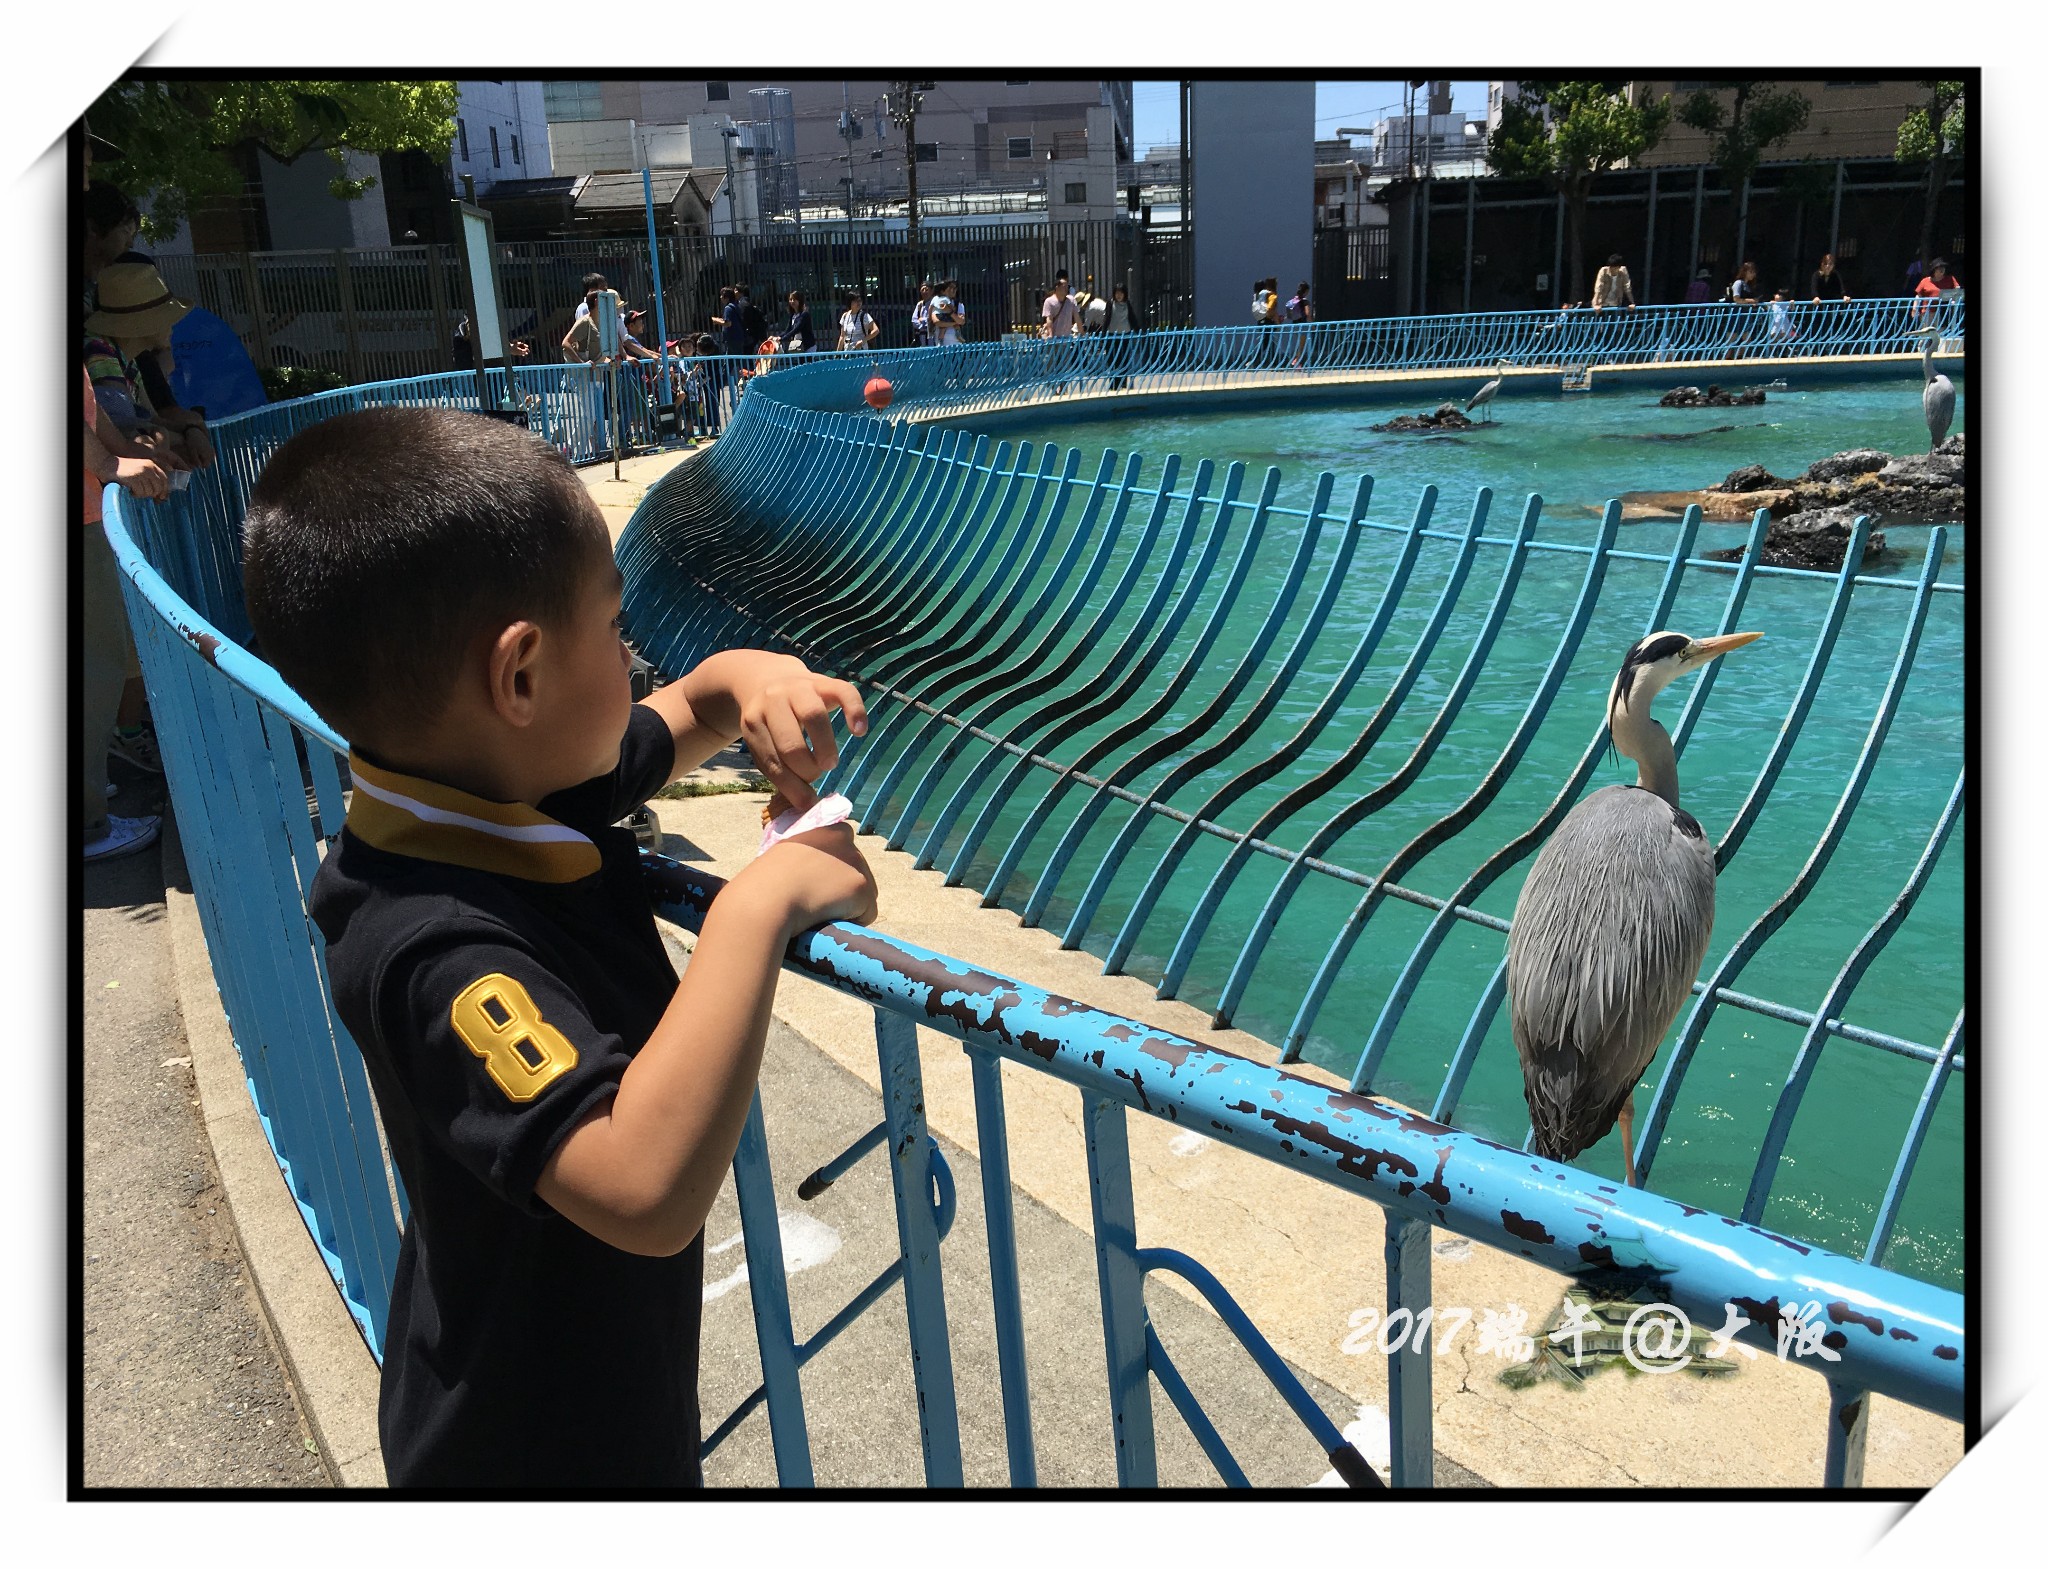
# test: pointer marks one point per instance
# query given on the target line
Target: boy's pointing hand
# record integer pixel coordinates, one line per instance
(787, 724)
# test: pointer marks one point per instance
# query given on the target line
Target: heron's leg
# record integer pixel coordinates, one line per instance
(1628, 1139)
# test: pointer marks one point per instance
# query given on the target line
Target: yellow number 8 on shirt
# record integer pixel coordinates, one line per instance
(522, 1052)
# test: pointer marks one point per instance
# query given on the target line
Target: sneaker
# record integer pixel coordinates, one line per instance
(122, 836)
(137, 748)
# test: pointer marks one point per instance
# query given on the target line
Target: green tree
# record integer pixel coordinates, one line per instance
(183, 141)
(1590, 127)
(1758, 118)
(1932, 136)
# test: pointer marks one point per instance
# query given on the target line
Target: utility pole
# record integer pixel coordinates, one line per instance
(849, 128)
(728, 134)
(905, 99)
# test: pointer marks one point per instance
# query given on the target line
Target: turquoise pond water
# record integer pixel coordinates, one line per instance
(1576, 451)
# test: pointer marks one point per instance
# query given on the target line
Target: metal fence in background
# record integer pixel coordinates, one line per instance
(981, 542)
(381, 313)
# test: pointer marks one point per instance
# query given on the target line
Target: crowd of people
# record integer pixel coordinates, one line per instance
(1613, 289)
(140, 437)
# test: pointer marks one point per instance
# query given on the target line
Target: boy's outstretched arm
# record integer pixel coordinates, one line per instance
(778, 703)
(642, 1170)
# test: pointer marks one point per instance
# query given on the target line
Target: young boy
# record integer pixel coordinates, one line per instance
(440, 588)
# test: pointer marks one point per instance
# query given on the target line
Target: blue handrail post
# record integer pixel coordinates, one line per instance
(917, 1230)
(1409, 1417)
(768, 1286)
(1848, 1426)
(1122, 1281)
(993, 1132)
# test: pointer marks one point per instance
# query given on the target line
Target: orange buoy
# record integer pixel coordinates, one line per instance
(878, 392)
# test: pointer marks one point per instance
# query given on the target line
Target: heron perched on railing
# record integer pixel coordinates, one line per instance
(1612, 924)
(1938, 396)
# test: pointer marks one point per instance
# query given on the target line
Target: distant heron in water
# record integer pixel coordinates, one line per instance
(1483, 397)
(1938, 396)
(1612, 923)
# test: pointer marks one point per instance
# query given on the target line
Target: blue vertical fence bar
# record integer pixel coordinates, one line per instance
(911, 1156)
(1006, 1295)
(941, 571)
(768, 1287)
(1122, 1285)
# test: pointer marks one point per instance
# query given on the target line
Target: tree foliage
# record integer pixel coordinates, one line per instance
(1932, 135)
(1945, 111)
(1758, 118)
(1566, 133)
(185, 140)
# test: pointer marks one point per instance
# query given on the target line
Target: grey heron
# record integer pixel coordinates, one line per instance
(1483, 397)
(1612, 924)
(1938, 396)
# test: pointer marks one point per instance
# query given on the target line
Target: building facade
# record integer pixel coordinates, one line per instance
(1060, 143)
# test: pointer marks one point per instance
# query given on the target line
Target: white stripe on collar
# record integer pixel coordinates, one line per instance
(534, 833)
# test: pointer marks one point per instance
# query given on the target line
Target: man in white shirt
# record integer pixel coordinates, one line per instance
(1060, 318)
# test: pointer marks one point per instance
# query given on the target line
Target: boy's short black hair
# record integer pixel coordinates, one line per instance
(380, 544)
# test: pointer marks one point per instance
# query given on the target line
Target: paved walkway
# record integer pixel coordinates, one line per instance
(182, 1386)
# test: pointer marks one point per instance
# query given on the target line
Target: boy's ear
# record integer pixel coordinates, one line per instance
(510, 661)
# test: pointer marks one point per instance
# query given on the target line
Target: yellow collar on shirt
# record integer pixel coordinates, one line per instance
(405, 815)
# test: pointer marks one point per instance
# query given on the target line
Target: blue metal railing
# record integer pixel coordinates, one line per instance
(835, 515)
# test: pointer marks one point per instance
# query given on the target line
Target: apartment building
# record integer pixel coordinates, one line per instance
(1057, 142)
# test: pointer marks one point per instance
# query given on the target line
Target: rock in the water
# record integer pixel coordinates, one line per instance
(1446, 416)
(1751, 476)
(1715, 397)
(1846, 465)
(1815, 540)
(1953, 447)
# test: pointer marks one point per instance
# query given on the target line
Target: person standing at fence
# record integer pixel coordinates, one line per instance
(1612, 290)
(753, 324)
(949, 315)
(798, 337)
(562, 1112)
(1701, 290)
(732, 331)
(106, 652)
(1058, 317)
(857, 329)
(1828, 283)
(921, 316)
(1122, 330)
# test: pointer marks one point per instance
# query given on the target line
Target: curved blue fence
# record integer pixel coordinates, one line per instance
(1108, 694)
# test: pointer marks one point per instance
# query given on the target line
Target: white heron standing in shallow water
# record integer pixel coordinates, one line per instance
(1484, 397)
(1938, 396)
(1612, 924)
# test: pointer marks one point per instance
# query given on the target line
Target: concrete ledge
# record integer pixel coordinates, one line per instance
(329, 1363)
(1246, 389)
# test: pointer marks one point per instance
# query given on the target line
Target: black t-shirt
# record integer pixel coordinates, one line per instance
(1829, 285)
(499, 966)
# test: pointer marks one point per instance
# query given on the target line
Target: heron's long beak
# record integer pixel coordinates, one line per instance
(1706, 648)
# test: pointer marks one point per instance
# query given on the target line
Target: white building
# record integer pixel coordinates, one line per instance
(501, 133)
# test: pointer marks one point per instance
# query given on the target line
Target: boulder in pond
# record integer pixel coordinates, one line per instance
(1815, 540)
(1445, 416)
(1846, 465)
(1715, 397)
(1751, 476)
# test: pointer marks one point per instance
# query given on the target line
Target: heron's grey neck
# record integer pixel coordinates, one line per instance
(1641, 738)
(1927, 357)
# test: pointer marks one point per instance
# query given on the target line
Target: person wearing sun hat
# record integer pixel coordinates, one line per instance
(135, 316)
